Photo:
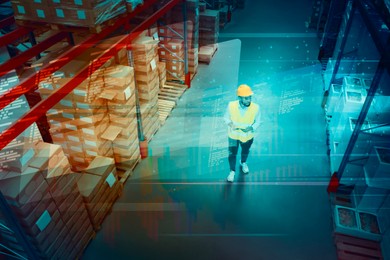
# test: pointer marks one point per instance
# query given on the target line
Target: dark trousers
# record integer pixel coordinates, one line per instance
(233, 148)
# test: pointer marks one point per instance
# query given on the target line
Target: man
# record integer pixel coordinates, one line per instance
(243, 118)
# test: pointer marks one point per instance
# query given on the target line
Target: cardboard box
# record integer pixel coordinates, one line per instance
(118, 76)
(89, 186)
(75, 3)
(75, 15)
(31, 11)
(42, 216)
(56, 245)
(125, 120)
(72, 205)
(45, 238)
(129, 160)
(129, 130)
(144, 87)
(19, 188)
(175, 66)
(101, 166)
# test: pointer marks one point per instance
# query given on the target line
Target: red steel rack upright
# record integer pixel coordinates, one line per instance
(28, 84)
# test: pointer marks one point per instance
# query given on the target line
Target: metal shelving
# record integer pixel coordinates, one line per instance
(358, 130)
(30, 83)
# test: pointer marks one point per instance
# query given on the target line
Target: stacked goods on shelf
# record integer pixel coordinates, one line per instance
(349, 101)
(19, 152)
(122, 132)
(83, 121)
(208, 27)
(172, 53)
(62, 186)
(145, 57)
(208, 34)
(68, 12)
(78, 120)
(99, 187)
(61, 45)
(162, 73)
(192, 31)
(377, 167)
(121, 57)
(147, 81)
(47, 204)
(150, 120)
(38, 11)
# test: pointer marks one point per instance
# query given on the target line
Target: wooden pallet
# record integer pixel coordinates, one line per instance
(150, 137)
(124, 172)
(33, 24)
(69, 28)
(164, 109)
(349, 247)
(171, 92)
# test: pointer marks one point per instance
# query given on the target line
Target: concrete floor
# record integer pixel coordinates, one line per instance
(178, 203)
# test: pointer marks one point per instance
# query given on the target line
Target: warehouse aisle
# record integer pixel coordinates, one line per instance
(178, 203)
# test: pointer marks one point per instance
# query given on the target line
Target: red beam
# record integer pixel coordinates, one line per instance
(29, 83)
(7, 22)
(20, 59)
(14, 35)
(43, 106)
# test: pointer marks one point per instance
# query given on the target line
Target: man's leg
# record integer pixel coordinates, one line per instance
(245, 149)
(244, 155)
(233, 148)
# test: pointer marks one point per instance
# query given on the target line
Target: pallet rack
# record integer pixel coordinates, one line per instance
(29, 84)
(359, 121)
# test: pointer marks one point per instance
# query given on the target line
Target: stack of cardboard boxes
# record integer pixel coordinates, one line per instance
(47, 204)
(121, 101)
(98, 117)
(172, 53)
(68, 12)
(78, 120)
(150, 120)
(208, 27)
(99, 187)
(162, 73)
(208, 32)
(121, 58)
(145, 57)
(192, 31)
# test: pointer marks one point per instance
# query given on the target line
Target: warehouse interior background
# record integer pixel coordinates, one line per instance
(135, 166)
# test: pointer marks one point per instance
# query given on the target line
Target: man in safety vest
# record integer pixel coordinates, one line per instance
(243, 118)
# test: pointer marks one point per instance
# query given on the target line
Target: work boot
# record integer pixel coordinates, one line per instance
(244, 168)
(230, 178)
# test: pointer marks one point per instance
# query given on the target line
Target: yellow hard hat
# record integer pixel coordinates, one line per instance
(244, 91)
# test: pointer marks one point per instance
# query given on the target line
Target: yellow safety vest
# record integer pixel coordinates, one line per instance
(242, 122)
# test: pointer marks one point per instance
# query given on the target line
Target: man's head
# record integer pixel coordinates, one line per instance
(244, 93)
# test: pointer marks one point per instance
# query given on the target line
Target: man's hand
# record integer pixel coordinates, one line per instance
(248, 129)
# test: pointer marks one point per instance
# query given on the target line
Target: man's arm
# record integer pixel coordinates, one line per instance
(256, 124)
